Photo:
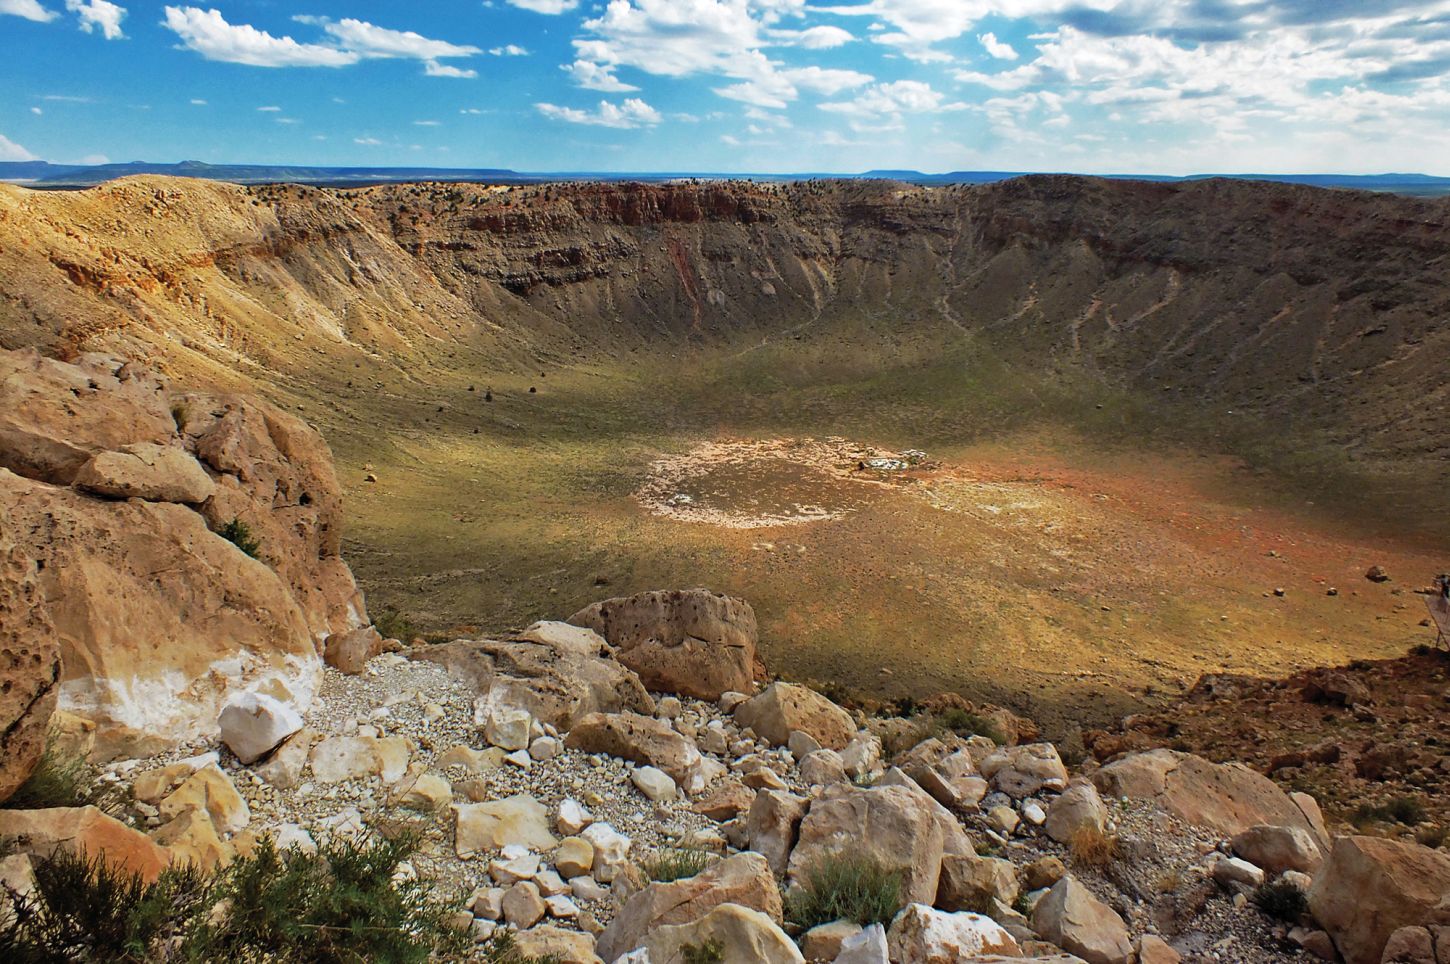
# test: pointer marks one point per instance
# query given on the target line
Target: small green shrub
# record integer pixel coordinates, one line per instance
(60, 779)
(1409, 811)
(1281, 900)
(239, 534)
(846, 886)
(676, 863)
(962, 723)
(1430, 836)
(710, 952)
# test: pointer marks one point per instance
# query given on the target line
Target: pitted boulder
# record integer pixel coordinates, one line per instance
(692, 642)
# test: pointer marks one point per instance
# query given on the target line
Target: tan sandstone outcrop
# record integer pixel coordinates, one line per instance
(158, 618)
(1369, 887)
(692, 642)
(29, 666)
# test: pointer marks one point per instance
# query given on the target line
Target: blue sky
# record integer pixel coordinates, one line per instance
(1099, 86)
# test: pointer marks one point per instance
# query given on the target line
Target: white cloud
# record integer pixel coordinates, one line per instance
(209, 34)
(36, 111)
(367, 141)
(995, 47)
(370, 40)
(592, 76)
(434, 69)
(30, 10)
(633, 112)
(816, 38)
(269, 109)
(11, 151)
(427, 123)
(198, 102)
(508, 50)
(545, 6)
(98, 15)
(897, 97)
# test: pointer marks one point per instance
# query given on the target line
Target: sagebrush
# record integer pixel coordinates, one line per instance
(852, 887)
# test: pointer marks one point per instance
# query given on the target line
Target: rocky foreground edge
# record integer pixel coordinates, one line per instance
(170, 577)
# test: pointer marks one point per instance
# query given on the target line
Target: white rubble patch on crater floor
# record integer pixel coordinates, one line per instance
(759, 483)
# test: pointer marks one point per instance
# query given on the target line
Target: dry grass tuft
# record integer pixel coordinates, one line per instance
(1092, 847)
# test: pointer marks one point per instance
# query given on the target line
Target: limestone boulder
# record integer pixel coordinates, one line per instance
(971, 883)
(1369, 887)
(1226, 797)
(519, 820)
(743, 935)
(209, 790)
(823, 942)
(692, 642)
(1021, 771)
(192, 838)
(565, 638)
(1277, 849)
(889, 824)
(253, 724)
(145, 470)
(348, 652)
(772, 825)
(30, 669)
(744, 879)
(83, 830)
(1079, 806)
(1070, 916)
(339, 758)
(556, 944)
(556, 686)
(922, 935)
(783, 708)
(642, 739)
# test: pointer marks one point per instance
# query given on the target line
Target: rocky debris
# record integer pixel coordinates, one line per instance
(887, 823)
(744, 879)
(164, 618)
(30, 667)
(1370, 887)
(156, 473)
(641, 739)
(784, 708)
(83, 830)
(923, 935)
(743, 936)
(253, 724)
(692, 642)
(1070, 916)
(1228, 797)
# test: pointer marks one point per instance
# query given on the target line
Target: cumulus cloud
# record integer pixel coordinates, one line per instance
(631, 113)
(11, 151)
(30, 10)
(995, 47)
(552, 7)
(592, 76)
(348, 41)
(208, 33)
(99, 15)
(508, 50)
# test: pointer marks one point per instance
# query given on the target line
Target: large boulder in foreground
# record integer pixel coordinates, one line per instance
(1369, 887)
(117, 487)
(1226, 797)
(29, 666)
(785, 708)
(896, 826)
(692, 642)
(744, 879)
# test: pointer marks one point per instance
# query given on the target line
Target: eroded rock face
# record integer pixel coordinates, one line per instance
(158, 619)
(692, 642)
(29, 666)
(1227, 797)
(1369, 887)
